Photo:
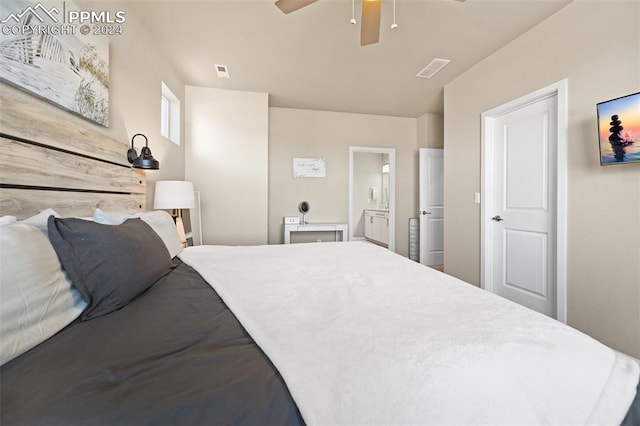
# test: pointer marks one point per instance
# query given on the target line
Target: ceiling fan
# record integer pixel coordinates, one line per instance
(370, 23)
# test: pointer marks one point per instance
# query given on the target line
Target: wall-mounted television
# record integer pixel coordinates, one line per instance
(619, 130)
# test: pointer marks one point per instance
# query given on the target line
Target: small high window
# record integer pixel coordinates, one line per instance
(169, 115)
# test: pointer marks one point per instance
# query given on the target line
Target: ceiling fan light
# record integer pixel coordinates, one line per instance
(353, 12)
(394, 25)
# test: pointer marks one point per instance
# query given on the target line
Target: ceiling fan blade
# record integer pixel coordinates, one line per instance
(288, 6)
(370, 27)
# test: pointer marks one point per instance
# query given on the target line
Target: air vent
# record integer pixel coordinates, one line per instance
(222, 71)
(433, 67)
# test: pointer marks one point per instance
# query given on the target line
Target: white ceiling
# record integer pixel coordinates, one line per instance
(312, 58)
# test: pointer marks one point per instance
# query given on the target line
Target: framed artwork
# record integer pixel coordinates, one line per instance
(309, 168)
(67, 65)
(619, 130)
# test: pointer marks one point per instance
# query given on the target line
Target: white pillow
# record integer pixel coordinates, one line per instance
(111, 218)
(40, 220)
(159, 220)
(6, 220)
(163, 224)
(36, 299)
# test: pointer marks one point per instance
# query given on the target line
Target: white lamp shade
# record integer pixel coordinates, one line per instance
(174, 194)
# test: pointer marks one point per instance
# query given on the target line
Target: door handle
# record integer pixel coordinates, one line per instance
(423, 212)
(497, 218)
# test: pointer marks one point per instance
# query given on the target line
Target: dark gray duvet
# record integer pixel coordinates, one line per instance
(175, 355)
(633, 416)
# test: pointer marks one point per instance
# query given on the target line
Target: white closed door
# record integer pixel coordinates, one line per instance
(431, 206)
(523, 208)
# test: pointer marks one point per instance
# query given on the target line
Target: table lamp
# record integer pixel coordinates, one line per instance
(175, 195)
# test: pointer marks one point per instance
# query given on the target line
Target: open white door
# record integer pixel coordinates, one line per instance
(355, 213)
(431, 206)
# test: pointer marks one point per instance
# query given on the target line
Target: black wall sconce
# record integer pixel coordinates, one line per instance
(145, 160)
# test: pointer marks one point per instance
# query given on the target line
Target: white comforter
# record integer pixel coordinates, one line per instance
(363, 336)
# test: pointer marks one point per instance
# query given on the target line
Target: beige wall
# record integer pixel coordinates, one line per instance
(136, 69)
(307, 133)
(430, 131)
(226, 159)
(596, 45)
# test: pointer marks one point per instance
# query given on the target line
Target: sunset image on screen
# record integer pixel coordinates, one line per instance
(619, 130)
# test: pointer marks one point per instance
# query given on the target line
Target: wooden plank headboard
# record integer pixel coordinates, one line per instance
(48, 162)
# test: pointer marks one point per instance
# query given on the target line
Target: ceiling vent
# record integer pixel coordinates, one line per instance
(433, 67)
(222, 71)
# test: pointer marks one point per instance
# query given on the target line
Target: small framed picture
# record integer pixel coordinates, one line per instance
(619, 130)
(309, 168)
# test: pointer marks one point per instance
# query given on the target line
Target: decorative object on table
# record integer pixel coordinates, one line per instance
(619, 130)
(309, 168)
(66, 68)
(291, 220)
(303, 208)
(145, 160)
(175, 195)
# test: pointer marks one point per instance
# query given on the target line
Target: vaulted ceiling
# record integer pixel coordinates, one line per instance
(312, 58)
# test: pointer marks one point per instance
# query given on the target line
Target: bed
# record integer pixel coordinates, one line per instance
(135, 330)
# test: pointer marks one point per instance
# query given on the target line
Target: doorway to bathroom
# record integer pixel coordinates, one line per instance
(372, 209)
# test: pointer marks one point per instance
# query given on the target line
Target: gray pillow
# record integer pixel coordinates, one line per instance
(109, 264)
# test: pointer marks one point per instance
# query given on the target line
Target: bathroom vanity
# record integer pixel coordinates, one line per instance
(376, 226)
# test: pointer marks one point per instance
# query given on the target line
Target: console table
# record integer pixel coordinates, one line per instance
(340, 228)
